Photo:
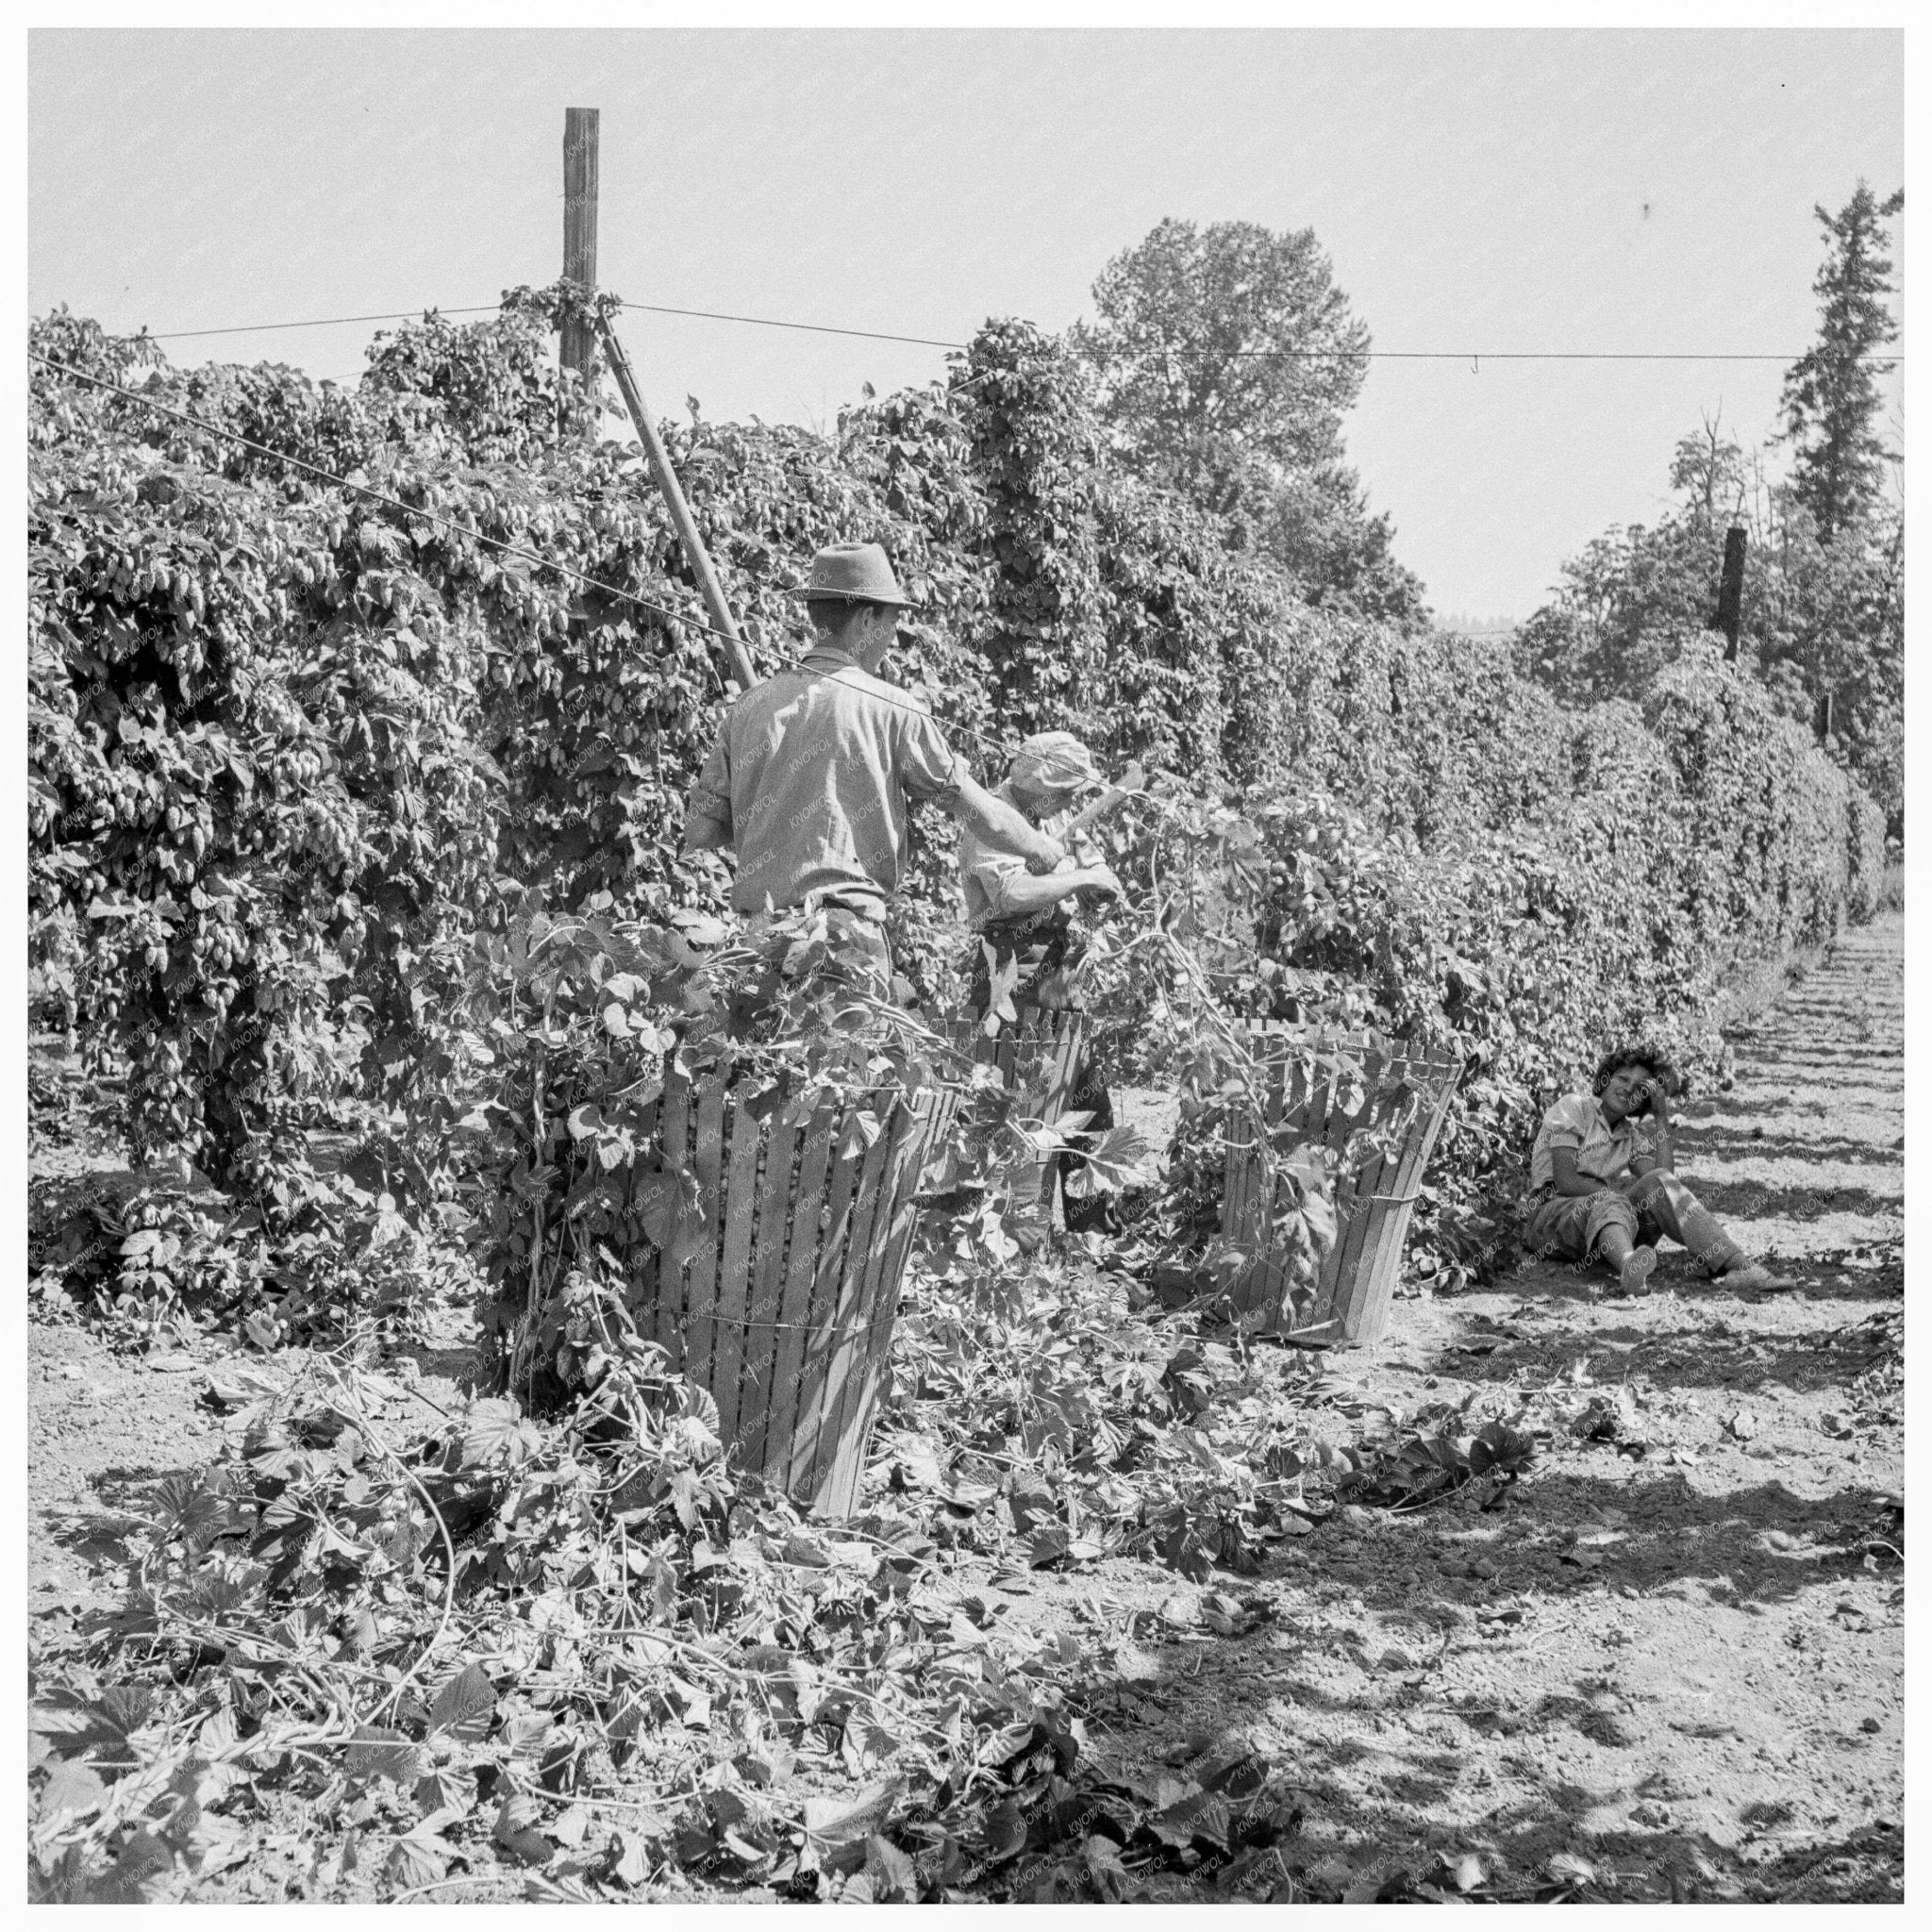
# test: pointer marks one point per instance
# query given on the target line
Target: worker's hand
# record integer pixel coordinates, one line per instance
(1043, 853)
(1098, 884)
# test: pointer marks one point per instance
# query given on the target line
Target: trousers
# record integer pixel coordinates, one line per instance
(1647, 1207)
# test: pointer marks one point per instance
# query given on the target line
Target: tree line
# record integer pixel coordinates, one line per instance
(1225, 359)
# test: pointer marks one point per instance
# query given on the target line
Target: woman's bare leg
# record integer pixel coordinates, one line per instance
(1685, 1219)
(1633, 1263)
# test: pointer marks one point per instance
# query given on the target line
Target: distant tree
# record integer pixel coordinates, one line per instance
(1817, 616)
(1319, 529)
(1220, 343)
(1830, 618)
(1629, 598)
(1830, 399)
(1225, 358)
(1709, 474)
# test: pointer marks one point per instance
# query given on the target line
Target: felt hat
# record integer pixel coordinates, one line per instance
(854, 573)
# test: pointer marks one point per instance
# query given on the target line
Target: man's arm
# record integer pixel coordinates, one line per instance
(1655, 1133)
(1001, 824)
(707, 825)
(703, 831)
(1020, 896)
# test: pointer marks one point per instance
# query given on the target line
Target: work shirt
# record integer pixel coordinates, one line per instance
(1603, 1153)
(986, 867)
(810, 779)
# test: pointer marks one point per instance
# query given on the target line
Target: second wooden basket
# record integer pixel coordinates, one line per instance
(1039, 1057)
(1397, 1082)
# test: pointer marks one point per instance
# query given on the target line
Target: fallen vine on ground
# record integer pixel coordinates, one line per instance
(466, 1654)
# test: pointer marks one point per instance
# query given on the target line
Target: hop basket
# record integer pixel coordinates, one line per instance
(1400, 1083)
(778, 1286)
(1038, 1059)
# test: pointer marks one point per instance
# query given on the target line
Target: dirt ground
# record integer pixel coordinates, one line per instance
(1676, 1652)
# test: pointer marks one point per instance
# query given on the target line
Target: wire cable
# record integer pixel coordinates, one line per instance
(1475, 357)
(820, 328)
(1479, 355)
(255, 328)
(182, 335)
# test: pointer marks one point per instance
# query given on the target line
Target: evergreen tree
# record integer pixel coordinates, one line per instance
(1830, 398)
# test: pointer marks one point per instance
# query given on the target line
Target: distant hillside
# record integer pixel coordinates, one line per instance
(1464, 625)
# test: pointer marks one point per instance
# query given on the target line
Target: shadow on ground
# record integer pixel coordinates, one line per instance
(1407, 1802)
(1702, 1358)
(1729, 1147)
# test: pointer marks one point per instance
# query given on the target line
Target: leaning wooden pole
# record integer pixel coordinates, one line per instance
(695, 550)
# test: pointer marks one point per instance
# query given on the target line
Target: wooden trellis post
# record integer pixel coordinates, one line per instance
(577, 348)
(1730, 591)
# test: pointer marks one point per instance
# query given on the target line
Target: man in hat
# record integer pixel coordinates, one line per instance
(1025, 926)
(810, 777)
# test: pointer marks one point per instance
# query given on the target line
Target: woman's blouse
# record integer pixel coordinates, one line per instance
(1602, 1152)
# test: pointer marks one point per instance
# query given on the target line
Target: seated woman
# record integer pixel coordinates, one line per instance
(1602, 1179)
(1025, 924)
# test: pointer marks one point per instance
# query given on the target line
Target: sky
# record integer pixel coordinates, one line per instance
(1478, 192)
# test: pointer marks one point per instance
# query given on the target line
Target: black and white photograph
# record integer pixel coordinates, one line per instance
(965, 960)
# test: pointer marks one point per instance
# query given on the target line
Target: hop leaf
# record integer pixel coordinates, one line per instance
(1048, 1544)
(1498, 1447)
(124, 1710)
(890, 1871)
(656, 1206)
(830, 1822)
(516, 1831)
(494, 1429)
(418, 1860)
(1001, 982)
(378, 1753)
(144, 1857)
(1122, 1158)
(867, 1745)
(74, 1790)
(464, 1705)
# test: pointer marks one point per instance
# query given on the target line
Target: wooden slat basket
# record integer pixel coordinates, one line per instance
(779, 1291)
(1038, 1058)
(1373, 1204)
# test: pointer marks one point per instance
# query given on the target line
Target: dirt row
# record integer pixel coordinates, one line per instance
(1678, 1652)
(1674, 1654)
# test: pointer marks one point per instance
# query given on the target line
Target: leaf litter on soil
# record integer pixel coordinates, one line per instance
(626, 1620)
(641, 1675)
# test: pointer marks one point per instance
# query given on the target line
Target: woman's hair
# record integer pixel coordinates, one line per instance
(1640, 1054)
